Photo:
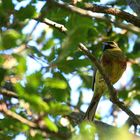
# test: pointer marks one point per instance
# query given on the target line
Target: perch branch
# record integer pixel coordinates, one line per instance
(112, 91)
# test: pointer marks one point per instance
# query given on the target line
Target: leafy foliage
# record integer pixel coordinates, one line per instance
(42, 64)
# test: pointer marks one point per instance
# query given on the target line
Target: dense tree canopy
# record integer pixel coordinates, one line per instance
(46, 79)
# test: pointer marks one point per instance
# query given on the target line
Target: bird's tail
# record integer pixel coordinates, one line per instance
(90, 113)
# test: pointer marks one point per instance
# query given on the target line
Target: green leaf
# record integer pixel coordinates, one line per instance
(21, 66)
(55, 83)
(7, 5)
(60, 76)
(76, 21)
(86, 79)
(2, 75)
(3, 16)
(1, 60)
(87, 128)
(37, 103)
(35, 80)
(42, 37)
(10, 38)
(56, 13)
(136, 50)
(70, 43)
(50, 43)
(26, 12)
(59, 109)
(69, 66)
(59, 94)
(123, 94)
(92, 34)
(78, 33)
(33, 99)
(35, 50)
(13, 126)
(87, 131)
(52, 55)
(50, 125)
(136, 68)
(37, 136)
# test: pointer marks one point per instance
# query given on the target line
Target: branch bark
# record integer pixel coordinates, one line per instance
(101, 127)
(89, 10)
(114, 11)
(3, 109)
(8, 93)
(53, 24)
(63, 29)
(129, 27)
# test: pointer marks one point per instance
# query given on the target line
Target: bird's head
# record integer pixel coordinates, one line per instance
(109, 45)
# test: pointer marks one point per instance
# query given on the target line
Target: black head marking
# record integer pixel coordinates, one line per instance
(109, 45)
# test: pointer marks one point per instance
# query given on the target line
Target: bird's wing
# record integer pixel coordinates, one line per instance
(94, 75)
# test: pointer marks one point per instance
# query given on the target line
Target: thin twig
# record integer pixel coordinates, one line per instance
(8, 93)
(3, 108)
(19, 49)
(53, 24)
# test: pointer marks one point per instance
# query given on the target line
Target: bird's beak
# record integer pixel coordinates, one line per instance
(104, 44)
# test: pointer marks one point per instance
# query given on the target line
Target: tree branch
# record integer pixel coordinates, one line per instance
(90, 8)
(60, 27)
(8, 93)
(19, 49)
(63, 29)
(101, 127)
(75, 117)
(3, 109)
(53, 24)
(113, 11)
(112, 91)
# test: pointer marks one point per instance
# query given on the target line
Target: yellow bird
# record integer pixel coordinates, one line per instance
(113, 61)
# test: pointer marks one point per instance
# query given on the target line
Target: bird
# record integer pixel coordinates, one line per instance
(113, 62)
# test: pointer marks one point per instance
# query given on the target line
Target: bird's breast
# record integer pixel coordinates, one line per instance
(114, 66)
